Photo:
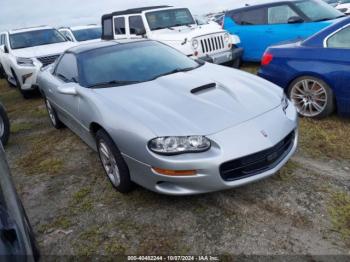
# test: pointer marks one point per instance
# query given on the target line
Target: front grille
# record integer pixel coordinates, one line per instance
(212, 43)
(48, 60)
(257, 163)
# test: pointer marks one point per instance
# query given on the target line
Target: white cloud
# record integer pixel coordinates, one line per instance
(26, 13)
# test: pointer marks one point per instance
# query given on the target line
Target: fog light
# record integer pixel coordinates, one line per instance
(229, 45)
(167, 172)
(25, 77)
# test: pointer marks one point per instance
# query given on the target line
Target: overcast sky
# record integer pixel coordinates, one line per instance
(25, 13)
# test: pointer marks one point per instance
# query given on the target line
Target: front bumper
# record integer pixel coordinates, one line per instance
(227, 145)
(224, 57)
(27, 76)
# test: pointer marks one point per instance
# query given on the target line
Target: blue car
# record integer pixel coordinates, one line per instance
(263, 25)
(315, 73)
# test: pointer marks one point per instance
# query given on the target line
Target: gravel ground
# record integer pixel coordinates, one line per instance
(305, 209)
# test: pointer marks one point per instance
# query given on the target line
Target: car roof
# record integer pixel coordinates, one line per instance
(92, 46)
(134, 11)
(79, 27)
(29, 29)
(237, 5)
(318, 38)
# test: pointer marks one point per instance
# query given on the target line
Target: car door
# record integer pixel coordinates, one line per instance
(120, 31)
(67, 105)
(5, 57)
(250, 25)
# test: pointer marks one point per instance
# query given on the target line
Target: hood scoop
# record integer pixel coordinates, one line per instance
(203, 88)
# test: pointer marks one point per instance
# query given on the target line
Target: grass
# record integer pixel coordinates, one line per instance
(327, 138)
(62, 223)
(22, 126)
(339, 210)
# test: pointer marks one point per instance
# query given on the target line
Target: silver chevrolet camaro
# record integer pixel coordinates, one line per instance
(171, 124)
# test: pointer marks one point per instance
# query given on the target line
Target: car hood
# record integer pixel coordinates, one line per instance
(185, 32)
(43, 50)
(167, 107)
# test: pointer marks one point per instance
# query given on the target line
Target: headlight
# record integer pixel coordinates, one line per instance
(195, 44)
(284, 103)
(226, 37)
(23, 61)
(174, 145)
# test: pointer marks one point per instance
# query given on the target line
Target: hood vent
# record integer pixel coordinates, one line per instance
(203, 88)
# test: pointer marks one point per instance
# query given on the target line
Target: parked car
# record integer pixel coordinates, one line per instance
(17, 241)
(86, 33)
(167, 122)
(175, 27)
(344, 6)
(260, 26)
(333, 3)
(4, 125)
(24, 51)
(315, 72)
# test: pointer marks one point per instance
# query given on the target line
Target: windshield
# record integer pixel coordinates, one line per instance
(131, 63)
(35, 38)
(169, 18)
(87, 34)
(317, 10)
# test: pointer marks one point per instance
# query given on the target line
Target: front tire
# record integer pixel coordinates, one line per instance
(312, 97)
(55, 121)
(113, 163)
(4, 126)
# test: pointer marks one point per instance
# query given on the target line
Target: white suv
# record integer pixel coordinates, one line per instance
(177, 28)
(86, 33)
(24, 51)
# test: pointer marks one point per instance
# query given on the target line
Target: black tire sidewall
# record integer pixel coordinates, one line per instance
(330, 107)
(125, 185)
(6, 135)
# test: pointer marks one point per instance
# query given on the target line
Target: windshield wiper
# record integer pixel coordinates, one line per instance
(177, 70)
(113, 83)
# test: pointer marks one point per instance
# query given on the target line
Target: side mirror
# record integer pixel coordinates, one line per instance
(68, 89)
(140, 31)
(6, 50)
(295, 20)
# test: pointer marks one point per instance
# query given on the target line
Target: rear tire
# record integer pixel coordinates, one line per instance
(4, 126)
(55, 121)
(113, 163)
(312, 97)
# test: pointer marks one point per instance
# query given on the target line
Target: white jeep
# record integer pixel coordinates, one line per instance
(24, 51)
(84, 33)
(177, 28)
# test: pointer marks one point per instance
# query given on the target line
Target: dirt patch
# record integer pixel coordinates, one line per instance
(74, 210)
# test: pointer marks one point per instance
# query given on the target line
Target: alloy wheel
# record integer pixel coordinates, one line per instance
(309, 97)
(109, 163)
(51, 112)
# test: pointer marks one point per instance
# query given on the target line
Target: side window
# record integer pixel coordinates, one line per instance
(250, 17)
(340, 40)
(119, 26)
(135, 22)
(107, 29)
(67, 68)
(280, 14)
(2, 39)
